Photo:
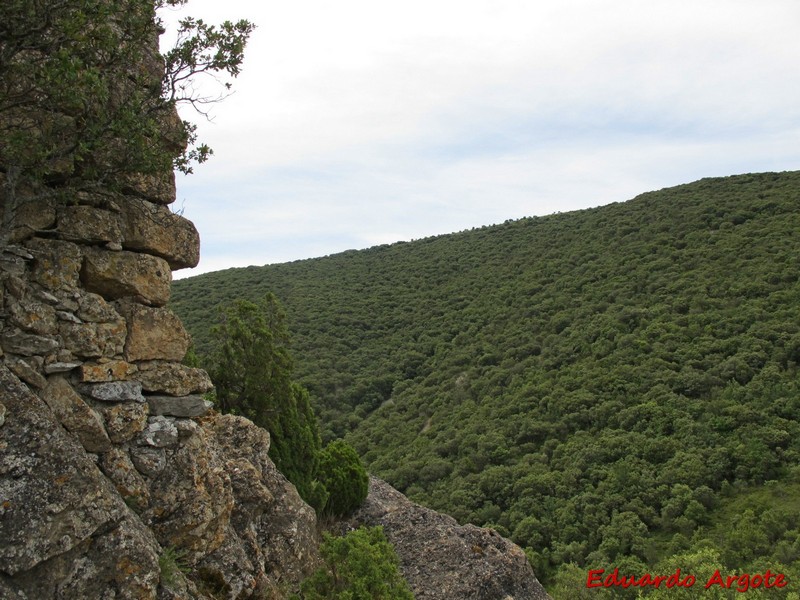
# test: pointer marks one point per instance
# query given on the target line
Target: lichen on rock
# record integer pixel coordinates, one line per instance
(441, 559)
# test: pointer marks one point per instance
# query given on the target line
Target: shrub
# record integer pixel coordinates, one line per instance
(251, 368)
(359, 566)
(172, 565)
(344, 477)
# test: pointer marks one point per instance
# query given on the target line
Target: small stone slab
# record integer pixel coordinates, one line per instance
(75, 415)
(148, 461)
(112, 370)
(28, 374)
(19, 251)
(61, 367)
(28, 344)
(172, 379)
(184, 406)
(160, 432)
(64, 315)
(115, 391)
(48, 297)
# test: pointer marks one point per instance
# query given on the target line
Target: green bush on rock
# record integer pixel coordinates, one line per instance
(252, 370)
(359, 566)
(341, 472)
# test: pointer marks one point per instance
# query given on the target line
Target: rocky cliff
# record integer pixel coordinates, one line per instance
(441, 559)
(117, 479)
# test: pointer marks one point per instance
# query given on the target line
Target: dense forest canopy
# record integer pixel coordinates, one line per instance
(610, 387)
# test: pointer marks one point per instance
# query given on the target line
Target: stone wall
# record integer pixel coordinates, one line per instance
(108, 451)
(109, 456)
(116, 478)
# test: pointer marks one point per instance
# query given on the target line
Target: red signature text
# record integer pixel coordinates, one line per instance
(741, 583)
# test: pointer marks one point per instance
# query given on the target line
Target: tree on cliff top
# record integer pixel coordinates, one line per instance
(86, 100)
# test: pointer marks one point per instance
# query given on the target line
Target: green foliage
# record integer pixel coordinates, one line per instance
(83, 100)
(569, 583)
(201, 50)
(605, 385)
(172, 565)
(251, 369)
(343, 476)
(359, 566)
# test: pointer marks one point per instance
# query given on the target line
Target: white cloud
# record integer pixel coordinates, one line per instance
(360, 122)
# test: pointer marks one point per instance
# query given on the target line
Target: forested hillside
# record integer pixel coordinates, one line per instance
(615, 387)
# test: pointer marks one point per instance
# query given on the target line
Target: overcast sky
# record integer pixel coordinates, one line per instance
(356, 123)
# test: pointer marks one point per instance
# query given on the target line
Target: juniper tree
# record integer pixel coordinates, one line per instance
(251, 368)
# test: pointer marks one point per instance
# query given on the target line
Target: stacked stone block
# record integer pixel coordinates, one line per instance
(83, 294)
(84, 297)
(83, 291)
(111, 461)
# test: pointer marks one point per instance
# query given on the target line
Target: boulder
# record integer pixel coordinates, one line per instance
(75, 415)
(149, 461)
(28, 374)
(110, 370)
(116, 275)
(160, 432)
(270, 521)
(124, 420)
(34, 317)
(117, 466)
(121, 560)
(54, 497)
(32, 216)
(92, 308)
(88, 224)
(56, 265)
(173, 379)
(153, 334)
(11, 264)
(28, 344)
(60, 367)
(191, 500)
(155, 187)
(93, 340)
(114, 391)
(186, 428)
(154, 229)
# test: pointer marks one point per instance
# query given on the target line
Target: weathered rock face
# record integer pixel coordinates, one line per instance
(441, 559)
(65, 531)
(116, 480)
(81, 523)
(110, 461)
